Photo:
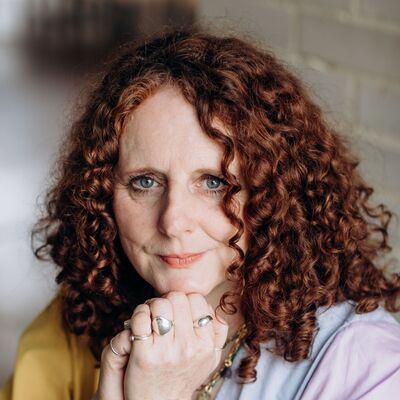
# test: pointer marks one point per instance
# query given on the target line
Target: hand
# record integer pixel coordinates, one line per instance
(171, 366)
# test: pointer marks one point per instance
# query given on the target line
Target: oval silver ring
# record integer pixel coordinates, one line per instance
(161, 326)
(203, 321)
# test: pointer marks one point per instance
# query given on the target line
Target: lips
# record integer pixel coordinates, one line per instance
(181, 260)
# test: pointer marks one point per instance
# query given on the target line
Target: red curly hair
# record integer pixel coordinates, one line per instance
(314, 239)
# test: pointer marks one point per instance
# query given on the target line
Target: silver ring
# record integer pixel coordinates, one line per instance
(161, 325)
(139, 337)
(127, 324)
(203, 321)
(113, 349)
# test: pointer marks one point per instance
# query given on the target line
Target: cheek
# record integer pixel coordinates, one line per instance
(220, 228)
(218, 225)
(132, 220)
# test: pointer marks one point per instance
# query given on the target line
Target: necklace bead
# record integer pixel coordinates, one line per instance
(226, 373)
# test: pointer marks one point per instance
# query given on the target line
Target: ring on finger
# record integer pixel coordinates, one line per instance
(115, 351)
(139, 337)
(161, 326)
(203, 321)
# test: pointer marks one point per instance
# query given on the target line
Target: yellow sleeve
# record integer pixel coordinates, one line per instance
(51, 363)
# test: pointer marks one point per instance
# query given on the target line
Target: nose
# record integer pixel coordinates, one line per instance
(177, 214)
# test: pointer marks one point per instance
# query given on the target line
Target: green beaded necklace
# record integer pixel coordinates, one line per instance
(225, 371)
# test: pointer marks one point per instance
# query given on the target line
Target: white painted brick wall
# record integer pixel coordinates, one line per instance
(379, 108)
(381, 9)
(346, 45)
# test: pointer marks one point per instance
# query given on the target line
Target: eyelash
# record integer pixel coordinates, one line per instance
(136, 178)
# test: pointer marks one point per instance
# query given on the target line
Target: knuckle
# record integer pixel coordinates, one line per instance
(195, 297)
(140, 308)
(160, 301)
(139, 315)
(174, 295)
(145, 362)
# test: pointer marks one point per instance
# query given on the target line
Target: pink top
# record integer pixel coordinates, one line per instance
(364, 363)
(354, 357)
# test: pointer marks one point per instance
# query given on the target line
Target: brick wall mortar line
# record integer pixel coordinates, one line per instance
(323, 65)
(359, 21)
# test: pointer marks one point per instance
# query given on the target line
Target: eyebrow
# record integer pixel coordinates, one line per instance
(146, 170)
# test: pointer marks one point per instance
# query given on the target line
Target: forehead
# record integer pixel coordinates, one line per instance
(164, 132)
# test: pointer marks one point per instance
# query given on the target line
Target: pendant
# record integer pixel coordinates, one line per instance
(227, 373)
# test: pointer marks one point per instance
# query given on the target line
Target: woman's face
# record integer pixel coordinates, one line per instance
(168, 195)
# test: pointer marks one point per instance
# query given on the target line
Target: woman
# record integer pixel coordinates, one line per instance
(214, 239)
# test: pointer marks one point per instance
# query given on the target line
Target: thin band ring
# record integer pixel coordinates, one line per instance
(139, 337)
(115, 351)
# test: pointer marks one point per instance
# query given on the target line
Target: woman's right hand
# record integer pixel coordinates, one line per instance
(173, 365)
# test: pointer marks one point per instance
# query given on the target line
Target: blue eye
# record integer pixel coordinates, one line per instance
(215, 182)
(146, 182)
(217, 187)
(141, 184)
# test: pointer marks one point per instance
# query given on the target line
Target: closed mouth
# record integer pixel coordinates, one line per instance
(181, 262)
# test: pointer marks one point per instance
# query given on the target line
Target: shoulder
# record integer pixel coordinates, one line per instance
(51, 362)
(43, 362)
(45, 330)
(361, 361)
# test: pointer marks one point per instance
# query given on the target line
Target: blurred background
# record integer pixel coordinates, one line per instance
(346, 51)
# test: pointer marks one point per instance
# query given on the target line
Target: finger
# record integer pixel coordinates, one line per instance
(199, 309)
(140, 308)
(115, 354)
(148, 301)
(183, 321)
(141, 325)
(113, 367)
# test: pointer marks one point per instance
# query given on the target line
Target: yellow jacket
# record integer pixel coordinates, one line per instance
(51, 364)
